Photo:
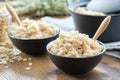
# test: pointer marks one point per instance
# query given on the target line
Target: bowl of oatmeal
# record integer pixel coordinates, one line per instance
(75, 53)
(32, 36)
(87, 21)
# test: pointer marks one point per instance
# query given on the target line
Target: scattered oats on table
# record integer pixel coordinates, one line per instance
(29, 59)
(6, 67)
(30, 64)
(24, 59)
(28, 68)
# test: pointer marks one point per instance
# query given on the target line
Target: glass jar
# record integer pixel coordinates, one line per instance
(5, 22)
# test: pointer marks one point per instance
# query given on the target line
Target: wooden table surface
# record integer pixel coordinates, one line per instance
(44, 69)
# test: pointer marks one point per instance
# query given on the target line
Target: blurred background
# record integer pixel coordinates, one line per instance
(35, 8)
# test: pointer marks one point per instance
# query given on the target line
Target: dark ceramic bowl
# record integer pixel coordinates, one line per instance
(33, 47)
(76, 65)
(88, 24)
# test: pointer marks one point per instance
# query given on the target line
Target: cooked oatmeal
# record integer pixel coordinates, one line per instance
(74, 44)
(34, 29)
(84, 10)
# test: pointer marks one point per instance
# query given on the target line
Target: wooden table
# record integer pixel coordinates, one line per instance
(44, 69)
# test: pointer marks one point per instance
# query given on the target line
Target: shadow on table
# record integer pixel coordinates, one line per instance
(93, 75)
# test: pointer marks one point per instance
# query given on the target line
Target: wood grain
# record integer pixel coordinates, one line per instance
(44, 69)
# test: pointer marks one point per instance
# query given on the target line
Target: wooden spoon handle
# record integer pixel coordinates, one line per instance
(13, 13)
(102, 27)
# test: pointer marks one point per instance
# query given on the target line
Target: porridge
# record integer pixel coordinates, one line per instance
(34, 29)
(75, 44)
(84, 10)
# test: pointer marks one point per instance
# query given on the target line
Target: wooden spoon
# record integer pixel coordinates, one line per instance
(102, 27)
(13, 13)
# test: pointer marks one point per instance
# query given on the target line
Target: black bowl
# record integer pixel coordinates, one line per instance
(33, 47)
(88, 24)
(76, 65)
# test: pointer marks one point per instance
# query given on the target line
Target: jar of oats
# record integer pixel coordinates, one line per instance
(5, 20)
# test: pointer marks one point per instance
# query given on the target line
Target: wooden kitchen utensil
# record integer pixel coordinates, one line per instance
(102, 27)
(13, 13)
